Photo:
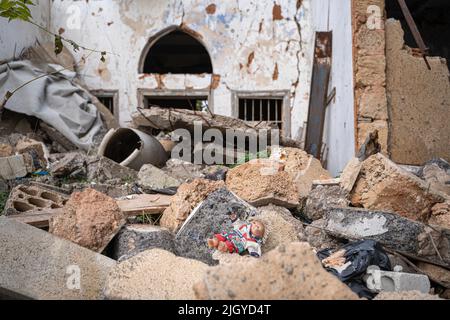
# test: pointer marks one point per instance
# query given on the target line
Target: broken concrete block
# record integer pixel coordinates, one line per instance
(13, 167)
(257, 184)
(38, 265)
(182, 170)
(318, 238)
(6, 150)
(281, 227)
(406, 236)
(212, 216)
(323, 197)
(72, 164)
(156, 179)
(188, 196)
(406, 295)
(91, 219)
(102, 169)
(437, 174)
(350, 174)
(36, 150)
(154, 275)
(136, 238)
(289, 272)
(25, 199)
(379, 280)
(382, 185)
(303, 169)
(440, 215)
(435, 272)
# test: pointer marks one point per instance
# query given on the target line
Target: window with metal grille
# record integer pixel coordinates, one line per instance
(262, 109)
(108, 102)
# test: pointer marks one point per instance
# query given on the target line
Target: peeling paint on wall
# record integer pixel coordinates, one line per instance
(254, 46)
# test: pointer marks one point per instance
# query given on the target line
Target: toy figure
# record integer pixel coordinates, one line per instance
(245, 236)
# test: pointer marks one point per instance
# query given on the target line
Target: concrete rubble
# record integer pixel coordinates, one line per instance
(90, 219)
(46, 267)
(290, 272)
(143, 234)
(154, 275)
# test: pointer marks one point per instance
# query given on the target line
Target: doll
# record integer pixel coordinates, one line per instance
(245, 236)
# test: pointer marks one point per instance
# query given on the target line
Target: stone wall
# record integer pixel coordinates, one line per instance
(370, 71)
(418, 101)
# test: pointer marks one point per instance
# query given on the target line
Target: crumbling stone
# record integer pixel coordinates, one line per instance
(153, 178)
(102, 170)
(435, 272)
(288, 272)
(183, 170)
(72, 164)
(281, 226)
(255, 184)
(318, 238)
(210, 217)
(440, 215)
(188, 196)
(136, 238)
(350, 174)
(38, 265)
(90, 219)
(303, 169)
(24, 199)
(392, 231)
(437, 174)
(382, 185)
(154, 275)
(35, 150)
(13, 167)
(323, 197)
(6, 150)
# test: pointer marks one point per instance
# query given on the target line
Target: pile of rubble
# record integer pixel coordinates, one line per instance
(89, 227)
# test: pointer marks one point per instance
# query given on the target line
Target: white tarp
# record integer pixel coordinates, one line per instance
(55, 99)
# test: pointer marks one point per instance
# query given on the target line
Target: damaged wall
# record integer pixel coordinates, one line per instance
(254, 46)
(370, 71)
(18, 35)
(418, 101)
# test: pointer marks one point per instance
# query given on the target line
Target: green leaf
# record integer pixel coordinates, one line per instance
(59, 46)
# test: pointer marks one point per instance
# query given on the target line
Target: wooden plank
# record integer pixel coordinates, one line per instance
(319, 93)
(144, 204)
(132, 205)
(38, 219)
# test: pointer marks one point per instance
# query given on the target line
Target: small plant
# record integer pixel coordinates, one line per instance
(148, 219)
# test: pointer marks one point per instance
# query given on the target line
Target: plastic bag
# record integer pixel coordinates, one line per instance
(350, 262)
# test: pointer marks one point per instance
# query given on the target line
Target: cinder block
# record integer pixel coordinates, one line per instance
(35, 264)
(379, 281)
(25, 198)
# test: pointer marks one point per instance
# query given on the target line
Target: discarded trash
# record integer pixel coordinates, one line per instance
(350, 262)
(132, 148)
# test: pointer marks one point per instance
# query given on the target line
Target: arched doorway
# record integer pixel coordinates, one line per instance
(174, 51)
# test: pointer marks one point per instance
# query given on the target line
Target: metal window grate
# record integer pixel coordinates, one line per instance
(108, 102)
(262, 109)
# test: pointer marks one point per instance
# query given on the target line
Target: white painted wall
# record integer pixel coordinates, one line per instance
(335, 15)
(231, 34)
(18, 35)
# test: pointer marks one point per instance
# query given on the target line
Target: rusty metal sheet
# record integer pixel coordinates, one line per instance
(319, 93)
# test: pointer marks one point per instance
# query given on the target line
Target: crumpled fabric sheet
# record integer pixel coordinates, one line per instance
(54, 99)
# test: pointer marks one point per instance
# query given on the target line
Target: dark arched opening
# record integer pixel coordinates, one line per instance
(178, 53)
